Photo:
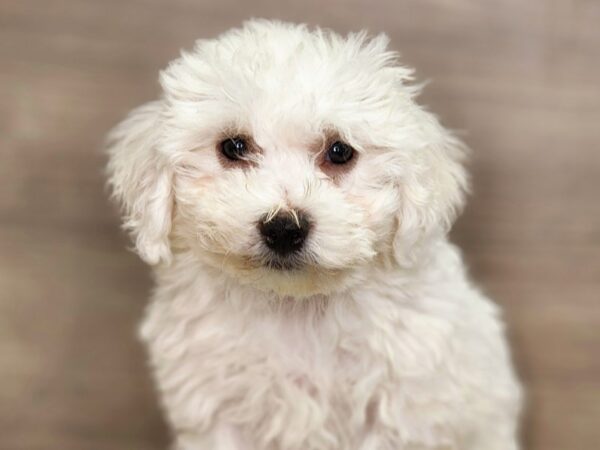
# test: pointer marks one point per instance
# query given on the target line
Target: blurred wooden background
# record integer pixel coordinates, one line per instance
(523, 77)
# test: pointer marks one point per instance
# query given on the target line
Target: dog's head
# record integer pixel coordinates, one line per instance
(288, 158)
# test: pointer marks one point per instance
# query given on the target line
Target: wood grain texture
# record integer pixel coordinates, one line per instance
(521, 77)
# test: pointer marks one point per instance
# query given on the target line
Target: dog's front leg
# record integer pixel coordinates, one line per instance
(221, 437)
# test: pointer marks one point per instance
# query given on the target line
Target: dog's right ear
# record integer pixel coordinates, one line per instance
(141, 181)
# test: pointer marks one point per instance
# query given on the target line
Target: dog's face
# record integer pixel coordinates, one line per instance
(290, 159)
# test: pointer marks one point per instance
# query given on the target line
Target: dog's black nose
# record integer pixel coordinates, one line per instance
(284, 233)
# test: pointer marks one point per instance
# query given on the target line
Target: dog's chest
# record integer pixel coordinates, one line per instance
(319, 377)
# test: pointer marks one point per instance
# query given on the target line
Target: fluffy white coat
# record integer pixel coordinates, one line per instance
(379, 341)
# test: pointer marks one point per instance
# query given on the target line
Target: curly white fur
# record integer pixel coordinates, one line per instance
(379, 342)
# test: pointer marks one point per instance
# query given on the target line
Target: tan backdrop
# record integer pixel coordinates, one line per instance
(523, 77)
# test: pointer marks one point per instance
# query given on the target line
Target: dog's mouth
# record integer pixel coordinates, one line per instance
(283, 264)
(264, 260)
(293, 275)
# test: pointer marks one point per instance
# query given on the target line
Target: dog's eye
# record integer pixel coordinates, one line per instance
(339, 153)
(234, 149)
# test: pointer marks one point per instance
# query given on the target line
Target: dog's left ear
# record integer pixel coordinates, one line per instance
(432, 192)
(141, 181)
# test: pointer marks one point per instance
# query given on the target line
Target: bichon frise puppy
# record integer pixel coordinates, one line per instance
(294, 201)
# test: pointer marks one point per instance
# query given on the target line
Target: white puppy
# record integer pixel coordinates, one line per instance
(294, 201)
